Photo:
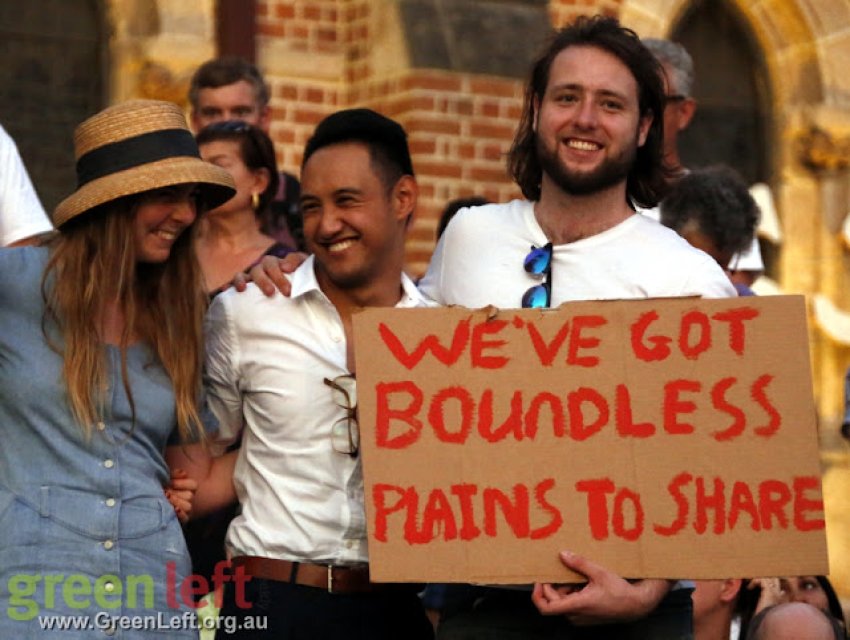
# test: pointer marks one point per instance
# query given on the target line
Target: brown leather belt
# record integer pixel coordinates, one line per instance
(336, 579)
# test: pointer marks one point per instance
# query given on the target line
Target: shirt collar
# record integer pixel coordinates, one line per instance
(304, 280)
(411, 297)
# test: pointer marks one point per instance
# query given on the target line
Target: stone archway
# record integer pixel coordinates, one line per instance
(156, 45)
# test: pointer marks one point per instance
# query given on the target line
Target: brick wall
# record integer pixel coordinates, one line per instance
(460, 125)
(460, 128)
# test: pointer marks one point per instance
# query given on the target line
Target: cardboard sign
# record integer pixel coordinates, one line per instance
(665, 438)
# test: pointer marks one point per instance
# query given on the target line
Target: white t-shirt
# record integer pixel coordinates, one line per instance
(266, 362)
(21, 213)
(479, 261)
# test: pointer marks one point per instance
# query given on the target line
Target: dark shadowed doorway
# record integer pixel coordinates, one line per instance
(733, 121)
(52, 78)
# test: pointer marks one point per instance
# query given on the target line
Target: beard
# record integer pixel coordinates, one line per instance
(578, 183)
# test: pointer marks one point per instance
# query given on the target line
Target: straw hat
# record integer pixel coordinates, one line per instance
(134, 147)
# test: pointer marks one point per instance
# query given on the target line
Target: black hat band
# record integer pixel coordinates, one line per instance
(135, 151)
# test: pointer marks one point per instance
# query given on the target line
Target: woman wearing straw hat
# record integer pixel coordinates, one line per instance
(100, 381)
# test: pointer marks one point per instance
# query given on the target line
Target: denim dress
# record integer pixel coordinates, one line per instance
(88, 541)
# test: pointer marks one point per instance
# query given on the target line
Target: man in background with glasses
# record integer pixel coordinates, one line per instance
(679, 103)
(679, 109)
(588, 149)
(282, 368)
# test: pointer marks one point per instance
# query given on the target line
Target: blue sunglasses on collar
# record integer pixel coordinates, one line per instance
(538, 263)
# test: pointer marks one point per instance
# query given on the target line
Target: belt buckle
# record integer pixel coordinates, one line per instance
(330, 578)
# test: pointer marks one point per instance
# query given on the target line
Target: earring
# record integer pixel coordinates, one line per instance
(255, 200)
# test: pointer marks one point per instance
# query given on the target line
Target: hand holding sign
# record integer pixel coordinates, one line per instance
(605, 598)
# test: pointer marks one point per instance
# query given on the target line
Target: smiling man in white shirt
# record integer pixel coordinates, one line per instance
(588, 149)
(281, 368)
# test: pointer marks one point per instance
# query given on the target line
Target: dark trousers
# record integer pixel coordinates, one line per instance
(295, 612)
(502, 614)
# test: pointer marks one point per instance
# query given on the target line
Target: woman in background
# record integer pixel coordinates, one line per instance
(232, 237)
(762, 593)
(713, 210)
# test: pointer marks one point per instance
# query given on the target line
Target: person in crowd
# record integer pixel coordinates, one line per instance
(714, 604)
(793, 621)
(231, 239)
(845, 422)
(679, 109)
(231, 88)
(22, 218)
(588, 149)
(453, 206)
(230, 112)
(679, 103)
(713, 210)
(761, 593)
(283, 369)
(439, 598)
(100, 388)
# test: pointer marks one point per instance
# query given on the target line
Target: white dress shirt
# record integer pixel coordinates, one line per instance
(266, 360)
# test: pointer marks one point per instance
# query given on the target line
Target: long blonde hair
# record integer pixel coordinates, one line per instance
(92, 264)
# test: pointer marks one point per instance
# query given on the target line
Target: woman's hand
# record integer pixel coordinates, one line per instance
(772, 592)
(180, 493)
